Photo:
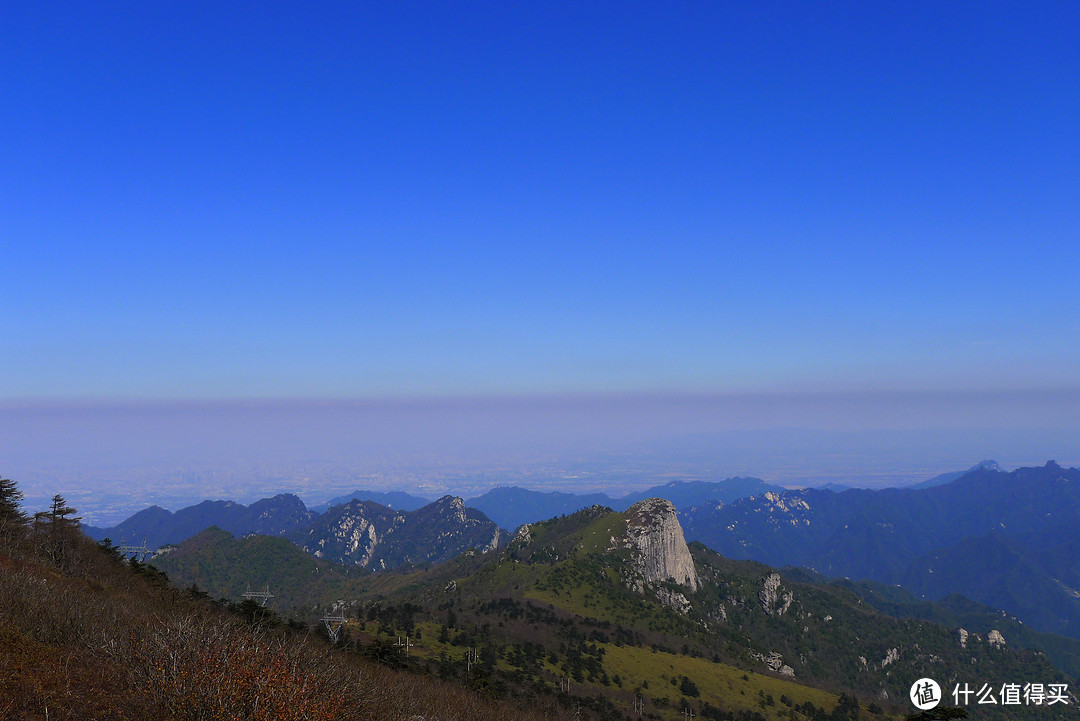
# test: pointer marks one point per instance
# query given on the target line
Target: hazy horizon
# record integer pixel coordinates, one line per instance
(110, 458)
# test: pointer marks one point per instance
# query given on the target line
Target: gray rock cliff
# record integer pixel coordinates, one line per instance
(654, 532)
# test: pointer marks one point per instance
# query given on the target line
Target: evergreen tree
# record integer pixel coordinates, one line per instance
(59, 511)
(53, 529)
(57, 515)
(12, 517)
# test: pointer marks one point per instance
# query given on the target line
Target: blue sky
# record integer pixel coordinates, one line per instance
(406, 200)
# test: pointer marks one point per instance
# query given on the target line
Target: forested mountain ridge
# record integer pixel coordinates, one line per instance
(607, 600)
(999, 538)
(278, 516)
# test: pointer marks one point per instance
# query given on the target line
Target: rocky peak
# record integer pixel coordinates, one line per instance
(453, 507)
(654, 532)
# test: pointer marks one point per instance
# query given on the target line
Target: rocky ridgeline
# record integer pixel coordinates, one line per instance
(368, 535)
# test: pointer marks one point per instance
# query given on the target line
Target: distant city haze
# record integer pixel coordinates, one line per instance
(112, 459)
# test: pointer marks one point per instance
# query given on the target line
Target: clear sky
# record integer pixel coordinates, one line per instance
(347, 200)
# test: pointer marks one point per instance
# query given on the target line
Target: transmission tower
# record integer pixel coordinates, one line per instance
(333, 624)
(688, 713)
(263, 596)
(470, 659)
(404, 645)
(139, 552)
(639, 705)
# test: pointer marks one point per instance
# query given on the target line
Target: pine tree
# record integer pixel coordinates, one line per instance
(59, 510)
(53, 529)
(12, 517)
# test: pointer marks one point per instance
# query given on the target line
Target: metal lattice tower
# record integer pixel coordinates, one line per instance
(639, 705)
(470, 659)
(333, 624)
(262, 596)
(137, 551)
(404, 645)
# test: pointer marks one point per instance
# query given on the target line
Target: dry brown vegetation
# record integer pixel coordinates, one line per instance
(85, 635)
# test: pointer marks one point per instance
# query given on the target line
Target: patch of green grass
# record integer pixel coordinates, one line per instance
(720, 684)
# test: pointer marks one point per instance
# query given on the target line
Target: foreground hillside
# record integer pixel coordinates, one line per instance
(86, 635)
(612, 610)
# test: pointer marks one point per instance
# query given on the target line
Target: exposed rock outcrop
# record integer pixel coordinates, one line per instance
(963, 638)
(674, 599)
(523, 536)
(773, 601)
(995, 639)
(654, 532)
(775, 662)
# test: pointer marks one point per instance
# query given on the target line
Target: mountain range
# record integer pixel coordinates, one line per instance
(602, 607)
(286, 515)
(511, 506)
(1007, 540)
(360, 533)
(398, 500)
(366, 534)
(278, 516)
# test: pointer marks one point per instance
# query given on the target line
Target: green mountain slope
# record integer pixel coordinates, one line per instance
(604, 602)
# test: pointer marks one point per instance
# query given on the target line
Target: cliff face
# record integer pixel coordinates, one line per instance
(654, 532)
